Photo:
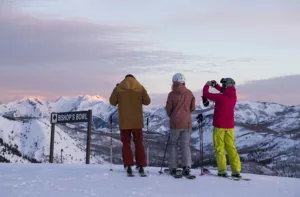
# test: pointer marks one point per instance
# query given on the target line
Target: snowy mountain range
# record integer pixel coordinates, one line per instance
(267, 134)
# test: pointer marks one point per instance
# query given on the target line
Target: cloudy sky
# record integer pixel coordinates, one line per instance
(72, 47)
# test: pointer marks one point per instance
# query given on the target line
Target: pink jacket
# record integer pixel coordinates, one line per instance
(224, 106)
(180, 105)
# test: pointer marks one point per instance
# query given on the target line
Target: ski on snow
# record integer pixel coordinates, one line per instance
(140, 174)
(130, 174)
(143, 174)
(179, 174)
(207, 172)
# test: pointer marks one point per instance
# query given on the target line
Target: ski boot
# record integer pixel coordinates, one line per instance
(129, 171)
(176, 173)
(222, 174)
(236, 175)
(141, 171)
(186, 172)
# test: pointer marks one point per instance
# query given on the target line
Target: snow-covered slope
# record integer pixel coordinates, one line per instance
(267, 134)
(26, 108)
(31, 137)
(46, 180)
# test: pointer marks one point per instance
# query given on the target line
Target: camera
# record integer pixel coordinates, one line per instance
(213, 83)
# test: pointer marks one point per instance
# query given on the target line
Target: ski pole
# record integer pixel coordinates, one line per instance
(61, 156)
(147, 143)
(110, 142)
(160, 172)
(200, 119)
(201, 148)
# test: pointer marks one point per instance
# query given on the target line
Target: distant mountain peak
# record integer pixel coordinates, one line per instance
(92, 98)
(81, 97)
(59, 98)
(32, 99)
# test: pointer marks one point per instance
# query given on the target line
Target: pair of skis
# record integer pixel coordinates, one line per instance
(141, 174)
(179, 174)
(207, 172)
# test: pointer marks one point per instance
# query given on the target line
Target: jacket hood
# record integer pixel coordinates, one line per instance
(130, 83)
(178, 87)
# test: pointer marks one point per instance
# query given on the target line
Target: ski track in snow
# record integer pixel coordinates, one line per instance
(79, 180)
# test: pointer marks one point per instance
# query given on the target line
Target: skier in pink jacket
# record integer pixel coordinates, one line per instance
(179, 106)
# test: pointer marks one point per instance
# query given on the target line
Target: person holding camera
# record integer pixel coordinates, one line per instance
(223, 122)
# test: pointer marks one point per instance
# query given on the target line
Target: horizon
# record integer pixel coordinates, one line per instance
(65, 48)
(106, 100)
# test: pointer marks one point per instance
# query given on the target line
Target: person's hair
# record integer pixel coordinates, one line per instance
(129, 75)
(172, 86)
(183, 83)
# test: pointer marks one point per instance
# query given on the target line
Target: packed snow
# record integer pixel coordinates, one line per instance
(80, 180)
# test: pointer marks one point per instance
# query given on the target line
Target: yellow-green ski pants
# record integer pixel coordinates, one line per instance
(223, 139)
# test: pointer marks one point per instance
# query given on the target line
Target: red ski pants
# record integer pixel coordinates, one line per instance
(127, 156)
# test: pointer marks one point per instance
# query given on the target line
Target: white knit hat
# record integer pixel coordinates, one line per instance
(178, 77)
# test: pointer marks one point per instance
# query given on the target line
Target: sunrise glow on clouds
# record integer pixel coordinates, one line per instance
(64, 48)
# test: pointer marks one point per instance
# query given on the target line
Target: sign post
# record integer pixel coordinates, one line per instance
(88, 141)
(72, 117)
(52, 142)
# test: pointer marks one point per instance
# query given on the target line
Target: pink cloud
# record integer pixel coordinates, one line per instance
(283, 90)
(60, 57)
(280, 89)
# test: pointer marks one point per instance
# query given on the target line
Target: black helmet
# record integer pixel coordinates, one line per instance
(227, 82)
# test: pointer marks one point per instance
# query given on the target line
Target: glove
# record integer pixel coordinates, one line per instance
(208, 83)
(205, 101)
(213, 83)
(200, 118)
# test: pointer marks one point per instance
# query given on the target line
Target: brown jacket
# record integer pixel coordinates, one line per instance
(130, 95)
(180, 105)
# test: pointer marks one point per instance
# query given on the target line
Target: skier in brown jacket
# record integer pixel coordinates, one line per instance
(130, 96)
(179, 106)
